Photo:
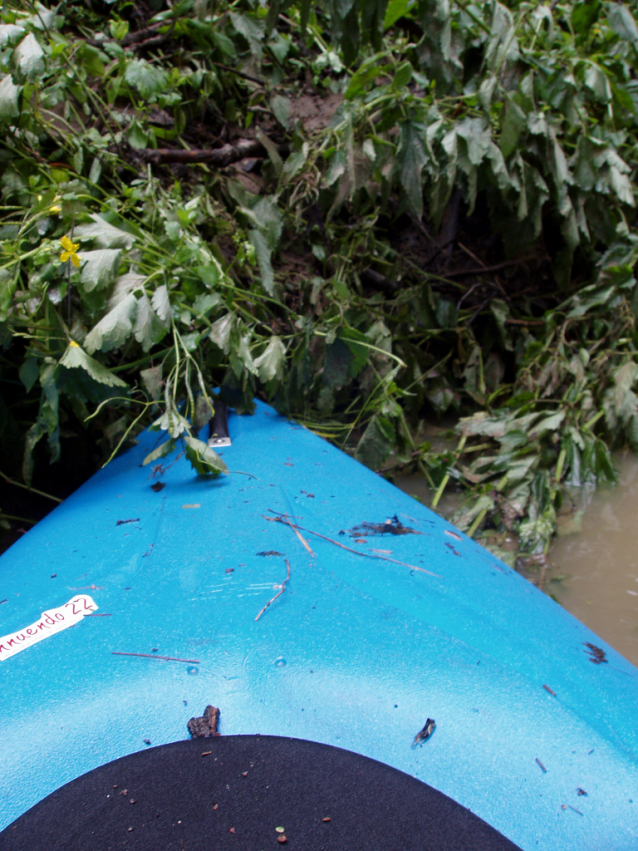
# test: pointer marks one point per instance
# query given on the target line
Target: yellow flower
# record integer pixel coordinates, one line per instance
(55, 209)
(70, 252)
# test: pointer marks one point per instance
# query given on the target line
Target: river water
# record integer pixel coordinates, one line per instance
(594, 560)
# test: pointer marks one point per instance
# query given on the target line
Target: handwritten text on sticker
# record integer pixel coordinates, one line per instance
(52, 621)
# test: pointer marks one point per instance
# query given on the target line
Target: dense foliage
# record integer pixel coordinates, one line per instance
(368, 213)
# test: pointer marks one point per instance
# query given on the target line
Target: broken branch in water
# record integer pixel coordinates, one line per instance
(279, 593)
(280, 519)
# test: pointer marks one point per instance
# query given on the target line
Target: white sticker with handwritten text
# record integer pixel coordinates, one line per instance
(52, 621)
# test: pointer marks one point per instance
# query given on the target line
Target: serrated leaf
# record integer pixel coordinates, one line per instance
(204, 459)
(124, 285)
(105, 234)
(113, 330)
(143, 331)
(99, 268)
(149, 80)
(76, 358)
(220, 332)
(270, 361)
(162, 305)
(9, 94)
(29, 56)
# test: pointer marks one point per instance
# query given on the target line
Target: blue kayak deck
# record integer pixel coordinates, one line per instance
(357, 652)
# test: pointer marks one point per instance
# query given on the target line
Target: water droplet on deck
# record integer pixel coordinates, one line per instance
(192, 670)
(280, 662)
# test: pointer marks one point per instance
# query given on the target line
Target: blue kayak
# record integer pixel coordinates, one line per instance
(308, 598)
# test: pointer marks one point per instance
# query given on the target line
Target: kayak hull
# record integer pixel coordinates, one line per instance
(372, 634)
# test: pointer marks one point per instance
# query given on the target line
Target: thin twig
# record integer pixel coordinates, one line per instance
(154, 656)
(283, 588)
(238, 73)
(298, 534)
(343, 546)
(27, 488)
(461, 273)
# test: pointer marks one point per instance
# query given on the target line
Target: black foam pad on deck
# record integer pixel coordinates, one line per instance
(231, 793)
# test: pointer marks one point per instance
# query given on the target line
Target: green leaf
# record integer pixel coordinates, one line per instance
(29, 373)
(220, 332)
(162, 305)
(262, 249)
(149, 80)
(368, 70)
(161, 451)
(29, 57)
(152, 381)
(114, 329)
(596, 81)
(9, 94)
(622, 22)
(99, 268)
(10, 33)
(76, 358)
(402, 75)
(513, 124)
(584, 15)
(396, 9)
(203, 458)
(410, 159)
(269, 363)
(377, 442)
(251, 30)
(144, 331)
(105, 234)
(282, 107)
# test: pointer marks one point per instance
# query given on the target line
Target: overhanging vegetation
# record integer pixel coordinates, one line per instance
(367, 213)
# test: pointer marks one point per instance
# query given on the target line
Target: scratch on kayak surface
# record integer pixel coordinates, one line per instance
(153, 656)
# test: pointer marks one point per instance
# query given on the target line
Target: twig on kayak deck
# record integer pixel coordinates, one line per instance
(294, 529)
(280, 519)
(541, 766)
(283, 588)
(99, 615)
(153, 656)
(547, 688)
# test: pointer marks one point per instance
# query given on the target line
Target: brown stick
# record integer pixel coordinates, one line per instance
(154, 656)
(221, 157)
(141, 35)
(350, 550)
(283, 588)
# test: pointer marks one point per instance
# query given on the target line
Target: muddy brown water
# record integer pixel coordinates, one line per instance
(594, 561)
